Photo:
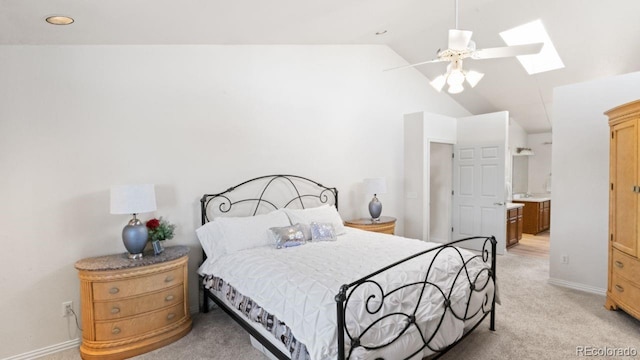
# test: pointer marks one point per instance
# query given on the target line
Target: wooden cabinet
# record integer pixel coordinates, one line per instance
(545, 216)
(536, 216)
(130, 307)
(514, 226)
(386, 224)
(624, 189)
(520, 222)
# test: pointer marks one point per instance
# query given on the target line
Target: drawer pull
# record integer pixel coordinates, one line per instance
(171, 316)
(114, 290)
(619, 288)
(115, 331)
(168, 298)
(168, 279)
(115, 310)
(619, 264)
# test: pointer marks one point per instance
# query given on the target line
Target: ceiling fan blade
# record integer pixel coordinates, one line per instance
(416, 64)
(507, 51)
(459, 39)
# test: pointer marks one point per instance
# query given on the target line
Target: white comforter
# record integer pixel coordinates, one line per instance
(298, 285)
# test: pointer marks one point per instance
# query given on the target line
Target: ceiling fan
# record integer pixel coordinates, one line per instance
(461, 47)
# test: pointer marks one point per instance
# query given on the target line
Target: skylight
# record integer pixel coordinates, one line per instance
(534, 32)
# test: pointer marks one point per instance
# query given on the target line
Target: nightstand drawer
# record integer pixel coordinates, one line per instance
(625, 266)
(624, 291)
(112, 330)
(138, 305)
(130, 287)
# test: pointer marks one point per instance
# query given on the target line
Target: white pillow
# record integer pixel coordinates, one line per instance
(225, 235)
(321, 214)
(241, 233)
(212, 241)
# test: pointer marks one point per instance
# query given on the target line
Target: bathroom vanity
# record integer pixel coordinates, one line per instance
(536, 214)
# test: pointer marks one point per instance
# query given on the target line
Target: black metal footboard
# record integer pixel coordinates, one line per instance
(376, 299)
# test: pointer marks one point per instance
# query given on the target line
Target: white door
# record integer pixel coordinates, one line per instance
(479, 193)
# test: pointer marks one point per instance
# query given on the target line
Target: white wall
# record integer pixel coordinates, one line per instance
(579, 215)
(75, 120)
(540, 164)
(484, 128)
(415, 150)
(517, 136)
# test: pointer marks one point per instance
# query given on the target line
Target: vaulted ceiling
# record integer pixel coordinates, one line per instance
(594, 38)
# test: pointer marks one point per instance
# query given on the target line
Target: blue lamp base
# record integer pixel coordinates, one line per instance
(134, 237)
(375, 208)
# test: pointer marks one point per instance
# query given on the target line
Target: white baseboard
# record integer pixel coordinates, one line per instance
(577, 286)
(46, 350)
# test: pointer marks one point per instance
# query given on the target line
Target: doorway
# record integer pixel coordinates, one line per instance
(441, 185)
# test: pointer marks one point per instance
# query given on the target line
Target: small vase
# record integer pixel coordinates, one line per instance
(134, 237)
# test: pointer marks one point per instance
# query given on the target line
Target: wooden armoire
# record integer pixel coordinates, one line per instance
(624, 209)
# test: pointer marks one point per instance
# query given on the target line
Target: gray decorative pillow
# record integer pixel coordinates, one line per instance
(323, 232)
(288, 236)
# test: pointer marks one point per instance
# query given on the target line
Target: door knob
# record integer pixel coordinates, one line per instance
(498, 204)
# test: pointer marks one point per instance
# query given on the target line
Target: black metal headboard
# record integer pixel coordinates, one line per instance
(288, 191)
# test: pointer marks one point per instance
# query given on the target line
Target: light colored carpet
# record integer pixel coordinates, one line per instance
(535, 321)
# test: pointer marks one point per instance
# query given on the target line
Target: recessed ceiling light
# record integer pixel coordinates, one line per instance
(381, 32)
(534, 32)
(59, 20)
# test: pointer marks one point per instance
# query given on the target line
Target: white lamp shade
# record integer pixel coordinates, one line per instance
(375, 186)
(133, 199)
(473, 77)
(455, 89)
(439, 82)
(456, 77)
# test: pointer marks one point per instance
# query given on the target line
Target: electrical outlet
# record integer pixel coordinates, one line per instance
(565, 259)
(67, 308)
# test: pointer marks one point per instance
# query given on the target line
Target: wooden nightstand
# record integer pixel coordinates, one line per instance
(130, 307)
(386, 224)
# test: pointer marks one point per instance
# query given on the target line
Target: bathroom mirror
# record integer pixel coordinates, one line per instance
(520, 175)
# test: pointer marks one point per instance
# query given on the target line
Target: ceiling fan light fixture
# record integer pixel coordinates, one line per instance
(456, 77)
(439, 82)
(455, 89)
(473, 77)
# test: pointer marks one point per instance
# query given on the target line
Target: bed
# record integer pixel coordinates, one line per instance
(348, 293)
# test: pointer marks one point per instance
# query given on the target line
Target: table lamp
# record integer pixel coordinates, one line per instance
(133, 199)
(375, 186)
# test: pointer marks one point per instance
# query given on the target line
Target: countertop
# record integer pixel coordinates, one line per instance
(122, 261)
(513, 206)
(533, 199)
